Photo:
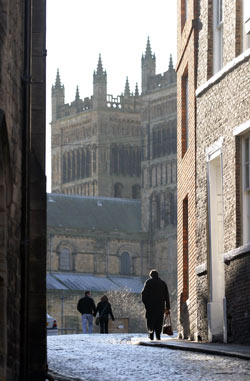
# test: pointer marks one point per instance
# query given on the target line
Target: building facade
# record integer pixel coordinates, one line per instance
(221, 270)
(23, 191)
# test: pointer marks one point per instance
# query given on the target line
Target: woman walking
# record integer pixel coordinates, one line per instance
(104, 309)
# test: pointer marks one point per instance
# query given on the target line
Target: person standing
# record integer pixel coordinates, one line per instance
(86, 306)
(155, 298)
(104, 309)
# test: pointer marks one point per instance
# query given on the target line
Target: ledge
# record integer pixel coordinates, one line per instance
(201, 269)
(225, 70)
(236, 253)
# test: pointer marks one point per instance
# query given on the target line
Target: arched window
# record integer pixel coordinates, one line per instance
(118, 190)
(125, 263)
(65, 259)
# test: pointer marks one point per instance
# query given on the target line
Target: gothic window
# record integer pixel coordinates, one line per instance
(115, 156)
(94, 160)
(64, 168)
(88, 163)
(173, 208)
(83, 164)
(65, 259)
(118, 190)
(70, 166)
(155, 212)
(95, 188)
(125, 263)
(154, 144)
(122, 160)
(136, 191)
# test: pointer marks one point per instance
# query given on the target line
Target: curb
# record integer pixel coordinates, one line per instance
(192, 348)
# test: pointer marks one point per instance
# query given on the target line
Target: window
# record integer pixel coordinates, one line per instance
(125, 263)
(246, 189)
(118, 190)
(246, 24)
(185, 250)
(65, 262)
(184, 12)
(218, 35)
(185, 114)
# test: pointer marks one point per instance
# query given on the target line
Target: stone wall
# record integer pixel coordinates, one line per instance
(23, 193)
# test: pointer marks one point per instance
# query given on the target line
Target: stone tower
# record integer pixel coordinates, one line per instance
(96, 142)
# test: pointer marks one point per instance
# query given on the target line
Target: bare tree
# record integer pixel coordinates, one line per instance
(126, 304)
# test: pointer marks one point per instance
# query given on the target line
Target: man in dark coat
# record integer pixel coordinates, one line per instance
(86, 306)
(155, 298)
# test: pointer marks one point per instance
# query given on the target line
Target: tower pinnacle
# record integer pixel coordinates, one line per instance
(127, 89)
(58, 80)
(77, 97)
(170, 66)
(148, 50)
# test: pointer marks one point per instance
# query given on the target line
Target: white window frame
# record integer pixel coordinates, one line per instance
(246, 25)
(218, 35)
(245, 181)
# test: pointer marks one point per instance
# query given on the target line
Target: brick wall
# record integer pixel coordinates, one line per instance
(186, 63)
(223, 105)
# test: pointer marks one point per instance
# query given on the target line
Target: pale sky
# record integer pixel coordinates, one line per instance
(78, 30)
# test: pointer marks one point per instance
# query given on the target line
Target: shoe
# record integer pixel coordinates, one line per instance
(158, 337)
(151, 336)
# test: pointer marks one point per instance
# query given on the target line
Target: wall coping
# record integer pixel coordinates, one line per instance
(225, 70)
(201, 269)
(235, 253)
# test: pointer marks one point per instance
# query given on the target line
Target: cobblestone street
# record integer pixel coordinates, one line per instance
(115, 357)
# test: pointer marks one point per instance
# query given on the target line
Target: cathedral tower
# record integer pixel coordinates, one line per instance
(147, 67)
(99, 86)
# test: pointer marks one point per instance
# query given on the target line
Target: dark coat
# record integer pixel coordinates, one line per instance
(155, 295)
(103, 314)
(86, 305)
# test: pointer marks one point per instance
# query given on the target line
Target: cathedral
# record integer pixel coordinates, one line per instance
(112, 210)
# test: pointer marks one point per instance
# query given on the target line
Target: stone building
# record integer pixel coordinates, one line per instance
(113, 150)
(23, 191)
(94, 243)
(216, 236)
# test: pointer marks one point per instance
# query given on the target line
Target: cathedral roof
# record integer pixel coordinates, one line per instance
(77, 281)
(94, 213)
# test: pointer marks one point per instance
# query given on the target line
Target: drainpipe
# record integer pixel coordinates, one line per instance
(24, 363)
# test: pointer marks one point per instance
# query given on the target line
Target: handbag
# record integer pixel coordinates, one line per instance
(167, 325)
(97, 320)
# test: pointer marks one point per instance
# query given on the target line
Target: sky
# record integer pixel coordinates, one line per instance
(79, 30)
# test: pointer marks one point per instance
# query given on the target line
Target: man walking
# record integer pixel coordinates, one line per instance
(155, 298)
(86, 306)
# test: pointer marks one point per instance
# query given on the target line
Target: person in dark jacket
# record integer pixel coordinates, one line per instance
(155, 298)
(104, 309)
(86, 306)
